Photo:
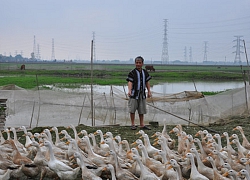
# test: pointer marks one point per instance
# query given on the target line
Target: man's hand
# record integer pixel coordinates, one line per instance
(149, 94)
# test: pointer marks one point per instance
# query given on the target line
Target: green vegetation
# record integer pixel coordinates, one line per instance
(103, 74)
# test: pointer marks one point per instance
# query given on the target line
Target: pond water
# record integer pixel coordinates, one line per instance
(164, 88)
(176, 87)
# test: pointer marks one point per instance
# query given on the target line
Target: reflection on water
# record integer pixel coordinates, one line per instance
(163, 88)
(176, 87)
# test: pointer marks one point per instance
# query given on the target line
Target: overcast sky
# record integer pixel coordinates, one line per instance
(125, 29)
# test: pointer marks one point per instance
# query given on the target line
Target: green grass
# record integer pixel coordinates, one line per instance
(62, 73)
(206, 93)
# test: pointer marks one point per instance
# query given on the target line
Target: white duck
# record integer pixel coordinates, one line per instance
(127, 147)
(19, 145)
(121, 152)
(111, 168)
(121, 174)
(145, 174)
(206, 171)
(28, 141)
(58, 142)
(6, 175)
(49, 136)
(217, 174)
(83, 132)
(245, 143)
(151, 150)
(232, 174)
(63, 171)
(2, 140)
(229, 147)
(218, 137)
(73, 147)
(156, 166)
(202, 154)
(39, 159)
(95, 158)
(244, 173)
(75, 131)
(86, 173)
(176, 167)
(195, 175)
(110, 135)
(95, 146)
(103, 146)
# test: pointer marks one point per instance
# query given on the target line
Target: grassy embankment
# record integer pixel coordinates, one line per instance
(73, 75)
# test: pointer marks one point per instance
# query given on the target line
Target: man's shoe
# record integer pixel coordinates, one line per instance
(146, 128)
(133, 127)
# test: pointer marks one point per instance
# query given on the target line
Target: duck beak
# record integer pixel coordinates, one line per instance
(225, 174)
(169, 167)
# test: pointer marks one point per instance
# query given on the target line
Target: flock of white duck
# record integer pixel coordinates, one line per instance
(196, 157)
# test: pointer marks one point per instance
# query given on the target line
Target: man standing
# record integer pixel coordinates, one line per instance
(138, 81)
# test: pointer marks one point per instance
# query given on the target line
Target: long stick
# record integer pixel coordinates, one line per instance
(39, 106)
(92, 106)
(32, 114)
(243, 76)
(81, 110)
(247, 61)
(194, 85)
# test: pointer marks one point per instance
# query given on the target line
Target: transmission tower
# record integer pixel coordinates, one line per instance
(38, 52)
(190, 54)
(53, 51)
(205, 51)
(94, 57)
(33, 54)
(238, 51)
(164, 56)
(185, 53)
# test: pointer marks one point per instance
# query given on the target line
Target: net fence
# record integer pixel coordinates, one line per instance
(61, 107)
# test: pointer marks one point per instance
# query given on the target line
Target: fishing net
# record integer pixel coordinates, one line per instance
(61, 107)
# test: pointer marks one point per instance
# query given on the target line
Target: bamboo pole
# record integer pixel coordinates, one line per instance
(194, 85)
(125, 92)
(106, 99)
(245, 85)
(113, 100)
(247, 61)
(81, 110)
(38, 115)
(32, 114)
(92, 110)
(94, 114)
